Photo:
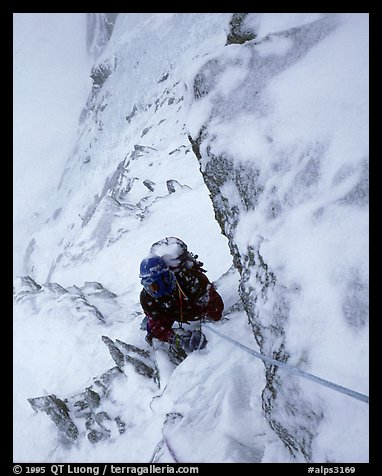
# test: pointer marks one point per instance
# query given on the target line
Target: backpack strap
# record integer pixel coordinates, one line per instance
(181, 295)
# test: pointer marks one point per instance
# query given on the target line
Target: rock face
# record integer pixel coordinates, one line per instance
(99, 29)
(58, 411)
(132, 152)
(27, 291)
(82, 414)
(270, 113)
(258, 189)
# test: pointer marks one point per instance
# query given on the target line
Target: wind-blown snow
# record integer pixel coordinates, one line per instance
(132, 178)
(50, 83)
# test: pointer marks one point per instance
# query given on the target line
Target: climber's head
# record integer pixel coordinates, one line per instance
(156, 277)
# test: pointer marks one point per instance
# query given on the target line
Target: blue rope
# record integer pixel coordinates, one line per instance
(294, 370)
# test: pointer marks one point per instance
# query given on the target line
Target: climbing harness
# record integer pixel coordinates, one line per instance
(294, 370)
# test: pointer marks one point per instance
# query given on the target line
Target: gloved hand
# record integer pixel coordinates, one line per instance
(197, 341)
(189, 341)
(177, 344)
(181, 339)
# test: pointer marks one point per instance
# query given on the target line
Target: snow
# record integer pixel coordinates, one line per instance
(275, 46)
(305, 129)
(274, 22)
(50, 83)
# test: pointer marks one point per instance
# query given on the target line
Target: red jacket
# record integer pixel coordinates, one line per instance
(193, 298)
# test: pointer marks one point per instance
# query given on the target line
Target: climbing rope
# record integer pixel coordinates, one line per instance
(294, 370)
(180, 294)
(170, 448)
(159, 447)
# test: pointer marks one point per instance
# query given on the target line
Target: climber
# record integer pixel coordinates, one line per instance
(176, 289)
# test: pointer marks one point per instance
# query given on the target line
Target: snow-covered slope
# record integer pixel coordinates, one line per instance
(50, 85)
(267, 112)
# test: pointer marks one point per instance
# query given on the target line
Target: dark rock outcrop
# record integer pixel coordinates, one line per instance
(82, 414)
